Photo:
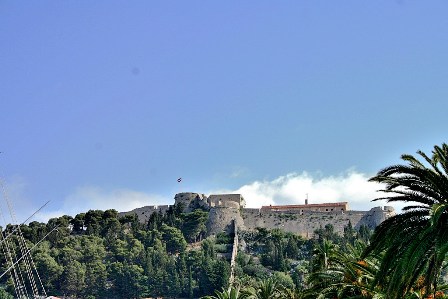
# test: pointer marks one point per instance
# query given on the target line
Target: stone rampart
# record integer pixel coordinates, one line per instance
(375, 216)
(145, 212)
(220, 220)
(225, 208)
(226, 200)
(305, 224)
(302, 224)
(191, 200)
(234, 253)
(322, 207)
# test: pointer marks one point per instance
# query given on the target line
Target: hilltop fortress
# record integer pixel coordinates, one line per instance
(300, 219)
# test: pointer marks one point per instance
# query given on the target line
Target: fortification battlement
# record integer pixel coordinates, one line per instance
(226, 200)
(323, 207)
(301, 219)
(191, 201)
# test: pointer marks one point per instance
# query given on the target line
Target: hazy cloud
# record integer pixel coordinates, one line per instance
(94, 198)
(239, 171)
(13, 189)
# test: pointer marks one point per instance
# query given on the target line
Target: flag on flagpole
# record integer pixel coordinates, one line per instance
(179, 180)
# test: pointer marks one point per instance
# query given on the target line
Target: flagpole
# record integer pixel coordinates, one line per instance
(179, 183)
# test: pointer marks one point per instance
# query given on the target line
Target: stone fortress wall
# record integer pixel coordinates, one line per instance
(306, 223)
(322, 207)
(226, 200)
(300, 219)
(145, 212)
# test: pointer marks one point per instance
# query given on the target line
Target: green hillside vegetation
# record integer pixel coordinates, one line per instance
(101, 255)
(98, 254)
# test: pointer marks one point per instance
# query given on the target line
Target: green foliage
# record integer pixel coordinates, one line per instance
(73, 279)
(129, 280)
(343, 274)
(414, 242)
(224, 238)
(4, 294)
(266, 289)
(193, 225)
(174, 240)
(100, 255)
(47, 267)
(284, 280)
(230, 293)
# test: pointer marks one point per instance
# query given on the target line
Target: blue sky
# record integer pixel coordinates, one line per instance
(104, 104)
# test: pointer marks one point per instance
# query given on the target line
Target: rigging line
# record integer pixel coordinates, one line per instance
(29, 271)
(29, 250)
(26, 220)
(19, 282)
(14, 274)
(32, 261)
(17, 275)
(21, 242)
(8, 203)
(40, 280)
(23, 248)
(34, 265)
(28, 260)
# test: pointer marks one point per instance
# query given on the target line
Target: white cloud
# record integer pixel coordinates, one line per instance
(351, 186)
(292, 188)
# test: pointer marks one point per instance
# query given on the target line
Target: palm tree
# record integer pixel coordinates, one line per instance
(291, 293)
(347, 275)
(230, 293)
(414, 242)
(266, 289)
(323, 254)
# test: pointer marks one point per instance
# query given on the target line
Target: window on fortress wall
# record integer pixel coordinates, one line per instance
(326, 210)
